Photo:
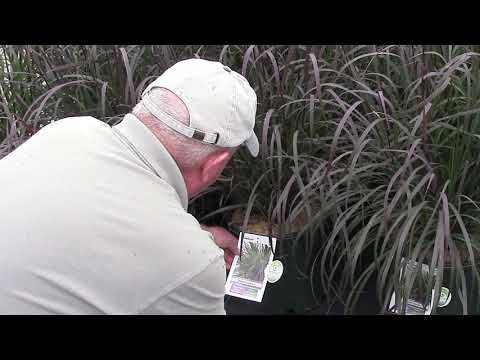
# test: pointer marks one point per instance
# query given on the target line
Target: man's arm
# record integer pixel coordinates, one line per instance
(226, 241)
(201, 295)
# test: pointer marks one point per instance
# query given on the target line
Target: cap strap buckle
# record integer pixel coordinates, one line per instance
(210, 138)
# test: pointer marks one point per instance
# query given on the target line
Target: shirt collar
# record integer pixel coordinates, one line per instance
(155, 153)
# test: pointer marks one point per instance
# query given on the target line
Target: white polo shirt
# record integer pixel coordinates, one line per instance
(90, 225)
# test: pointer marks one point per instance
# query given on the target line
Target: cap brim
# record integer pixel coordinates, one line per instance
(252, 144)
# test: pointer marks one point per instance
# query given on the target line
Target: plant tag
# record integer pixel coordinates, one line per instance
(274, 271)
(445, 297)
(413, 307)
(248, 275)
(419, 302)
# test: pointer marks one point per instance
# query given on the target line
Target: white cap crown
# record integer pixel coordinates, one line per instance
(220, 102)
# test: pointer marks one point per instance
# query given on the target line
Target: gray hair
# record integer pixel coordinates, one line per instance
(186, 151)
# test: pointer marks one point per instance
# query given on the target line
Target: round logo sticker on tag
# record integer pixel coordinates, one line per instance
(274, 271)
(445, 297)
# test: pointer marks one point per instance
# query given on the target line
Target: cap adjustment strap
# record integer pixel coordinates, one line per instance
(170, 121)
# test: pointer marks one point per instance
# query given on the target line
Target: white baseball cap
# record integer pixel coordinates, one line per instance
(220, 102)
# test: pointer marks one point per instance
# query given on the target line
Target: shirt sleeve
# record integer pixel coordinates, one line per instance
(203, 294)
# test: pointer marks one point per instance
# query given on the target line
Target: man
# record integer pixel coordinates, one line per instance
(94, 218)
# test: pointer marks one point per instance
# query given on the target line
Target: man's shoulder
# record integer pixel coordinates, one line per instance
(75, 123)
(91, 120)
(72, 129)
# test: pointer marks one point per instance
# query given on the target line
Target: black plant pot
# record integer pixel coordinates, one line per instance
(455, 306)
(291, 294)
(367, 302)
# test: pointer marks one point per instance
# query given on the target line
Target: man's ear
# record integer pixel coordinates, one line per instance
(214, 165)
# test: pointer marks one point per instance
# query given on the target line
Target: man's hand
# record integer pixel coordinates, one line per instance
(226, 241)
